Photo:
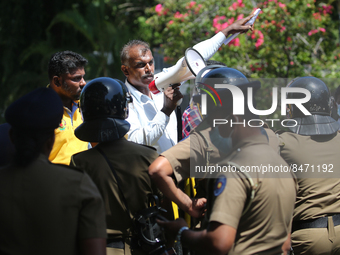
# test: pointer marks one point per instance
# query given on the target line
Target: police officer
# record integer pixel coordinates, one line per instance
(312, 151)
(248, 212)
(45, 208)
(118, 167)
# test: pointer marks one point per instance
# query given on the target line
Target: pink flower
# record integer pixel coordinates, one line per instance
(308, 5)
(219, 26)
(322, 29)
(170, 22)
(231, 21)
(240, 16)
(236, 5)
(282, 29)
(224, 25)
(291, 63)
(198, 8)
(313, 31)
(235, 42)
(289, 39)
(253, 36)
(261, 36)
(281, 5)
(178, 15)
(159, 9)
(240, 3)
(191, 4)
(317, 16)
(259, 42)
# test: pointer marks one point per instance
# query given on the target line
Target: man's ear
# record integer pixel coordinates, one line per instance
(125, 70)
(56, 81)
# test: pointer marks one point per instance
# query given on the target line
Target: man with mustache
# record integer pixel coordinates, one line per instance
(66, 75)
(152, 118)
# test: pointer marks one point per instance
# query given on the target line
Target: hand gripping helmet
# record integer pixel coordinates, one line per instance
(320, 106)
(219, 101)
(104, 106)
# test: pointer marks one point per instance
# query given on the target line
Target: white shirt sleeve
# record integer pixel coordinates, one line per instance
(209, 47)
(144, 131)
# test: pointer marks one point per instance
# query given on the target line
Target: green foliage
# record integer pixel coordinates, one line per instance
(32, 30)
(291, 37)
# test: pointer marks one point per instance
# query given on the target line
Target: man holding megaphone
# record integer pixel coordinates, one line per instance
(151, 116)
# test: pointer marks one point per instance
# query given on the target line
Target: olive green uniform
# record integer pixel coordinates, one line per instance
(264, 226)
(318, 194)
(47, 209)
(131, 162)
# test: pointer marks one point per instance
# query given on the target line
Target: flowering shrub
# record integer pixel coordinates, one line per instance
(291, 38)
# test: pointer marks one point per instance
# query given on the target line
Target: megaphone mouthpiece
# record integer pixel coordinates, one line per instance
(153, 88)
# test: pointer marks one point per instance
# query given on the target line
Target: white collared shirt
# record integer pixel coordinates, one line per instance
(149, 125)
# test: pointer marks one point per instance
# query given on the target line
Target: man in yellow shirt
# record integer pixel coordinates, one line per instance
(66, 75)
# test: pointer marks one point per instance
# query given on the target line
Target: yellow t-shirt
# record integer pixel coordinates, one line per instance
(66, 143)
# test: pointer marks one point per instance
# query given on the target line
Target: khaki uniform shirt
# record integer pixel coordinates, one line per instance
(197, 149)
(311, 158)
(265, 225)
(131, 162)
(193, 149)
(47, 209)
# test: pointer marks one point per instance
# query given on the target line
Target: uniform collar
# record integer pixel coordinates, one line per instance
(140, 97)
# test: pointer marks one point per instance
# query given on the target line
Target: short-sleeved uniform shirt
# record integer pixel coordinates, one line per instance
(47, 209)
(318, 194)
(265, 225)
(131, 162)
(194, 149)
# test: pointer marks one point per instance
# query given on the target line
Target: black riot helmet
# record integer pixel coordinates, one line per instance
(229, 75)
(319, 105)
(104, 106)
(219, 101)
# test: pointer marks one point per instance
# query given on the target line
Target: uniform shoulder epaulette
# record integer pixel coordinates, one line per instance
(70, 167)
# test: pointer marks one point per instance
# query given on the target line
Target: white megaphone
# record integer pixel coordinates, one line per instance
(185, 69)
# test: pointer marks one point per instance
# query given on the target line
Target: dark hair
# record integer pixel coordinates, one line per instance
(28, 144)
(64, 62)
(124, 53)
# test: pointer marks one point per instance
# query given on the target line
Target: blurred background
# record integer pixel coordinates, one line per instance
(291, 38)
